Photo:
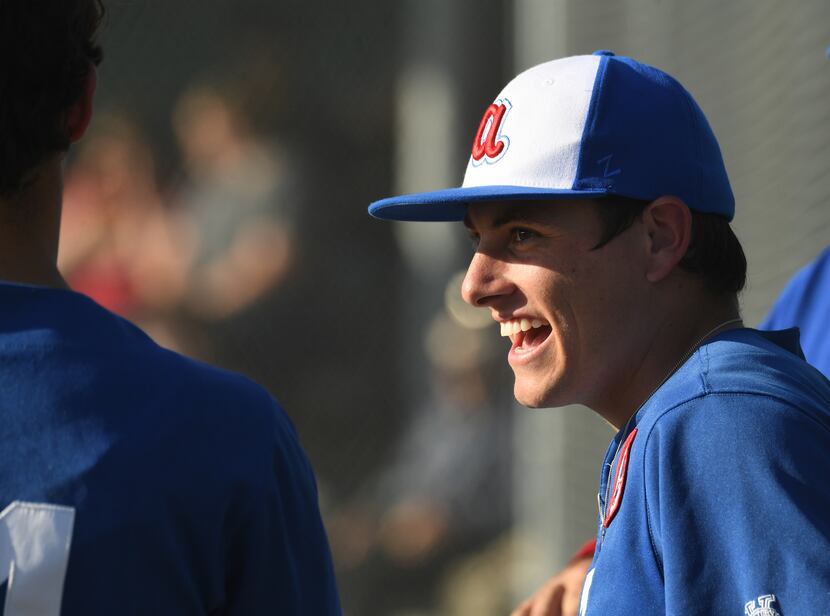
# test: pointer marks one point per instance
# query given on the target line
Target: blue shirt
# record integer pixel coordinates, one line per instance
(805, 303)
(155, 484)
(723, 507)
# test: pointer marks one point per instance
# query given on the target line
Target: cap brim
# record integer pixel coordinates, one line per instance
(451, 204)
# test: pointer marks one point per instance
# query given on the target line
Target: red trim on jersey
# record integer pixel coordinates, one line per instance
(619, 479)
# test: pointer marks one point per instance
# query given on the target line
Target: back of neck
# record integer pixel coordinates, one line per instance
(30, 228)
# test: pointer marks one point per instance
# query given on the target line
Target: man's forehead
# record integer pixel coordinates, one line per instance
(494, 214)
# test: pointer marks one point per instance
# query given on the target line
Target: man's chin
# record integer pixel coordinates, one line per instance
(536, 395)
(533, 398)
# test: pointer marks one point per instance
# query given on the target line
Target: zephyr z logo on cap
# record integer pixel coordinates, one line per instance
(489, 144)
(584, 127)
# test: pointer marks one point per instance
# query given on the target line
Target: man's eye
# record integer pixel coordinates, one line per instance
(474, 240)
(522, 235)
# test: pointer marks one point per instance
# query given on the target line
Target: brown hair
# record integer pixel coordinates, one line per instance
(714, 252)
(47, 48)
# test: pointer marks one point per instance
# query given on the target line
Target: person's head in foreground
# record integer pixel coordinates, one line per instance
(48, 80)
(599, 207)
(51, 54)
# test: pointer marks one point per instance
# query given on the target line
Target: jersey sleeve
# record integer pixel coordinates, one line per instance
(803, 303)
(278, 559)
(738, 499)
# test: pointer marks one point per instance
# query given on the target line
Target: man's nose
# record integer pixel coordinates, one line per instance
(485, 281)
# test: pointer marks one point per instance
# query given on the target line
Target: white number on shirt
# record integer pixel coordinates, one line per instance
(34, 551)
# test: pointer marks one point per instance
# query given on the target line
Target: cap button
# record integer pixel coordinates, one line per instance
(603, 52)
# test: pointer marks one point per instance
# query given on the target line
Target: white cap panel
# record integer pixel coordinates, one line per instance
(523, 151)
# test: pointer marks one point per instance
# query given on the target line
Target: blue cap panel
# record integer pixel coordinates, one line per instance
(645, 137)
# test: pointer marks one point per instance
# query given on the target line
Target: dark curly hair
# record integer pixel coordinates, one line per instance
(47, 47)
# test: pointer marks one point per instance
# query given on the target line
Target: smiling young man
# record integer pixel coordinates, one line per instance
(133, 481)
(599, 206)
(562, 290)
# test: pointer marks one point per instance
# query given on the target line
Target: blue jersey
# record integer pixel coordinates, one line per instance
(805, 303)
(715, 497)
(134, 481)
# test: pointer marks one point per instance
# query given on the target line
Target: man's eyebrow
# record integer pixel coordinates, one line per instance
(516, 213)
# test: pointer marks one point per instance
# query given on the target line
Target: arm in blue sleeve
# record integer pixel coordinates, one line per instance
(738, 494)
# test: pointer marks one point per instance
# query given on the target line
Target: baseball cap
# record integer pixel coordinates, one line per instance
(582, 127)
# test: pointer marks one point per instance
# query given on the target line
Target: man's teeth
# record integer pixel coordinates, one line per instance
(508, 328)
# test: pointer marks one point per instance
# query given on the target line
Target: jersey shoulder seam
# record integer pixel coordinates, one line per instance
(658, 561)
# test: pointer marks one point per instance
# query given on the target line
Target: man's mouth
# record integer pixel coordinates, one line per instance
(525, 334)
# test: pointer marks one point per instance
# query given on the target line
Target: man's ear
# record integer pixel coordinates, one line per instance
(668, 222)
(80, 114)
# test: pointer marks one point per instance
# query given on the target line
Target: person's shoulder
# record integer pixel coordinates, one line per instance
(731, 442)
(178, 394)
(214, 390)
(230, 422)
(741, 455)
(804, 304)
(740, 384)
(737, 416)
(191, 396)
(770, 365)
(807, 291)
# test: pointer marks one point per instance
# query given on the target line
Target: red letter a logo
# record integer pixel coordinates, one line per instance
(485, 143)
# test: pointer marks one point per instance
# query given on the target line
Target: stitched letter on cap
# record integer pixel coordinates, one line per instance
(489, 144)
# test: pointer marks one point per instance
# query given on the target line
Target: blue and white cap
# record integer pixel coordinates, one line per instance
(582, 127)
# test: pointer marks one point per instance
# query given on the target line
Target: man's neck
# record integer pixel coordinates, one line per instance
(673, 341)
(30, 227)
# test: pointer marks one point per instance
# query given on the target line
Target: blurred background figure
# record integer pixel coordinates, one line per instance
(240, 198)
(120, 243)
(406, 544)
